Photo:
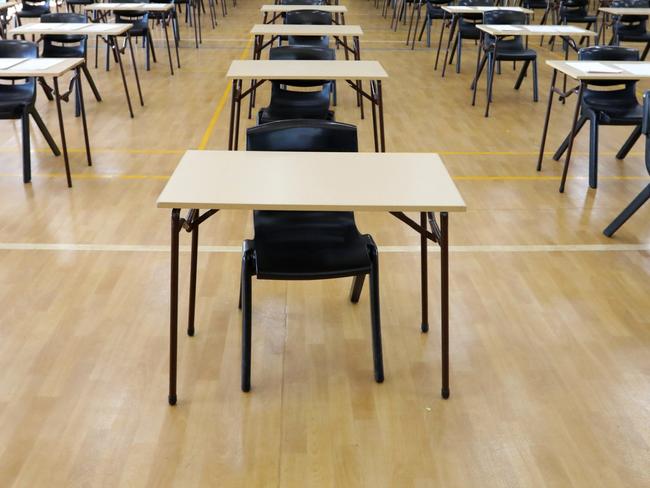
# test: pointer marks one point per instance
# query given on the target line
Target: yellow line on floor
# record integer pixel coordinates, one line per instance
(222, 101)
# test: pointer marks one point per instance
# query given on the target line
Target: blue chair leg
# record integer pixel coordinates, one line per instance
(629, 143)
(27, 162)
(593, 152)
(630, 210)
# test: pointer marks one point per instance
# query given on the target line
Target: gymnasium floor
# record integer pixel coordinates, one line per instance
(550, 320)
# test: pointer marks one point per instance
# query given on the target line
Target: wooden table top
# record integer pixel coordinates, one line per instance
(455, 9)
(311, 181)
(306, 30)
(29, 67)
(148, 7)
(602, 70)
(52, 28)
(625, 11)
(305, 70)
(535, 30)
(335, 9)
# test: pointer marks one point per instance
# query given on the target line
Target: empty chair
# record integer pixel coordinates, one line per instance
(32, 9)
(602, 106)
(642, 197)
(433, 11)
(307, 245)
(290, 104)
(466, 28)
(631, 28)
(577, 12)
(308, 17)
(67, 46)
(17, 98)
(140, 21)
(505, 49)
(303, 2)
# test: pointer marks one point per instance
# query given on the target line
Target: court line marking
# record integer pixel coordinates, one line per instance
(222, 101)
(487, 248)
(117, 176)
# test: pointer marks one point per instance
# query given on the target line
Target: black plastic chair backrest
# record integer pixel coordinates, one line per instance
(137, 18)
(611, 53)
(302, 53)
(475, 3)
(34, 4)
(310, 17)
(19, 49)
(573, 5)
(631, 19)
(63, 18)
(303, 2)
(303, 135)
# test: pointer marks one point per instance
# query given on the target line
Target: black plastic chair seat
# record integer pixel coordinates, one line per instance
(13, 99)
(292, 104)
(468, 30)
(514, 52)
(611, 113)
(309, 41)
(578, 17)
(33, 12)
(64, 51)
(309, 245)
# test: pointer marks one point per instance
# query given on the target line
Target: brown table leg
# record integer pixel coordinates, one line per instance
(573, 136)
(57, 98)
(547, 119)
(173, 306)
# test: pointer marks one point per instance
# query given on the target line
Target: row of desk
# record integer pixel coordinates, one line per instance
(206, 182)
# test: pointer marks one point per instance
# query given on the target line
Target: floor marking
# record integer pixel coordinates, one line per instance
(222, 101)
(488, 248)
(117, 176)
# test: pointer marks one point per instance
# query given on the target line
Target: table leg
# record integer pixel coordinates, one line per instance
(380, 109)
(547, 119)
(452, 31)
(442, 30)
(57, 97)
(82, 106)
(357, 57)
(373, 104)
(169, 49)
(116, 50)
(135, 68)
(231, 127)
(573, 136)
(424, 276)
(238, 114)
(173, 305)
(444, 301)
(193, 265)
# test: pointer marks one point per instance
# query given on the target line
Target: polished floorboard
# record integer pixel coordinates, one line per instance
(550, 320)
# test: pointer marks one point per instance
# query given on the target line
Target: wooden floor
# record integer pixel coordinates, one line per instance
(550, 320)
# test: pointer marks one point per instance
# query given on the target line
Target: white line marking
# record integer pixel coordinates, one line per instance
(19, 246)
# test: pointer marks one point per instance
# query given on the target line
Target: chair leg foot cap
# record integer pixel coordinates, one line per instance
(190, 333)
(171, 399)
(445, 393)
(424, 327)
(379, 378)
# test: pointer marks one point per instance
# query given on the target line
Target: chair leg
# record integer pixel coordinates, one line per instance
(630, 210)
(645, 51)
(458, 52)
(629, 143)
(246, 295)
(377, 354)
(565, 144)
(151, 46)
(193, 265)
(357, 286)
(27, 160)
(535, 90)
(593, 152)
(46, 133)
(522, 73)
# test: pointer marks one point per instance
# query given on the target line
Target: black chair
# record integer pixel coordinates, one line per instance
(433, 12)
(642, 197)
(140, 21)
(510, 48)
(631, 28)
(577, 12)
(466, 28)
(289, 104)
(307, 245)
(303, 2)
(67, 46)
(17, 98)
(606, 106)
(32, 9)
(308, 17)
